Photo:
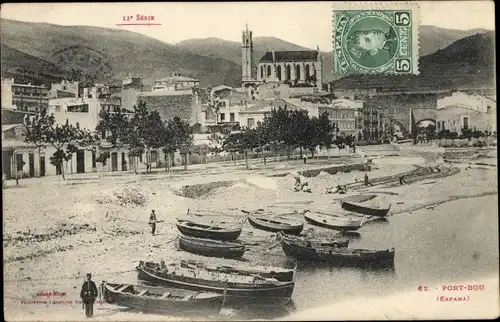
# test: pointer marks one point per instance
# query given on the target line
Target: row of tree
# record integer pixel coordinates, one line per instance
(144, 131)
(140, 132)
(282, 129)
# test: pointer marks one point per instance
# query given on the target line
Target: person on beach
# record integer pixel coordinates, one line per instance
(88, 294)
(297, 186)
(309, 236)
(367, 181)
(152, 222)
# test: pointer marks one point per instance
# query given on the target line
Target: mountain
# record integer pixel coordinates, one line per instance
(126, 52)
(231, 50)
(431, 39)
(466, 63)
(213, 61)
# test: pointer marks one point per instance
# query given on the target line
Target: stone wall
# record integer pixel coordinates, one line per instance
(171, 105)
(199, 190)
(397, 107)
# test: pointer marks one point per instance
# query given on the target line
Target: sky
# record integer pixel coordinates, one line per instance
(308, 24)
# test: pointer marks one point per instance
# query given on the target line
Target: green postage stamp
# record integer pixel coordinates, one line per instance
(375, 38)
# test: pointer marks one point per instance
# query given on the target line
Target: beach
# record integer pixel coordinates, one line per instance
(55, 233)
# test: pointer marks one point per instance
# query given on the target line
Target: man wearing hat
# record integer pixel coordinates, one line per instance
(88, 294)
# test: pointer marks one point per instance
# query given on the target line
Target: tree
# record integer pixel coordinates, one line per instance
(44, 130)
(35, 130)
(114, 126)
(243, 142)
(217, 140)
(183, 134)
(146, 133)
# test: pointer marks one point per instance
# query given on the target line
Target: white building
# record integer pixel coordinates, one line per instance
(484, 104)
(175, 83)
(255, 113)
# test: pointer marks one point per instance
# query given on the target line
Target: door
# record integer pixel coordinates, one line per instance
(114, 161)
(124, 162)
(31, 163)
(7, 164)
(80, 161)
(42, 166)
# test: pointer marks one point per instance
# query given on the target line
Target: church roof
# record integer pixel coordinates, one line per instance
(297, 55)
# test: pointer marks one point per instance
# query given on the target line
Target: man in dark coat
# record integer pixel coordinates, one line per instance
(152, 222)
(88, 294)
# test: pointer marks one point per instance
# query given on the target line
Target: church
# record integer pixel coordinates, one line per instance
(296, 68)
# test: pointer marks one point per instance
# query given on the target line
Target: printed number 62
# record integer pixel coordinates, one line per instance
(403, 65)
(402, 18)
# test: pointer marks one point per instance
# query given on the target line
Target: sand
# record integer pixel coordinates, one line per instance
(55, 233)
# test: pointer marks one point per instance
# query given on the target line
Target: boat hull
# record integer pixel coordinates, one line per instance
(235, 293)
(207, 247)
(158, 305)
(359, 198)
(341, 257)
(198, 231)
(365, 209)
(280, 274)
(288, 229)
(332, 225)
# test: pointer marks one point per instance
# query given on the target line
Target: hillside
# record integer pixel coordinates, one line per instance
(231, 50)
(15, 62)
(466, 63)
(214, 61)
(431, 39)
(128, 52)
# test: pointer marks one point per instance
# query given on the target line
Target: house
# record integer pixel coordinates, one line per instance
(255, 113)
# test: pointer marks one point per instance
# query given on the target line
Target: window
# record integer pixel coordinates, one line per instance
(94, 165)
(488, 109)
(250, 122)
(222, 117)
(83, 108)
(231, 117)
(466, 123)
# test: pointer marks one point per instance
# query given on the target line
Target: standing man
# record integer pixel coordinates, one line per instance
(367, 182)
(152, 222)
(88, 294)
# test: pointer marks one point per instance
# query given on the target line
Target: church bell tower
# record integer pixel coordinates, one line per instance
(246, 56)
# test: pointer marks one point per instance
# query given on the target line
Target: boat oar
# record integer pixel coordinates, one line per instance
(272, 247)
(171, 241)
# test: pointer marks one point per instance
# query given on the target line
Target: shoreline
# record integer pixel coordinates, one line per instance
(401, 305)
(104, 234)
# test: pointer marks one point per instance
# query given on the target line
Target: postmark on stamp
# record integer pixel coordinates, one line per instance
(375, 38)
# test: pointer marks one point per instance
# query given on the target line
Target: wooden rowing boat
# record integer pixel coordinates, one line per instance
(358, 198)
(315, 242)
(238, 289)
(279, 273)
(330, 222)
(339, 256)
(276, 224)
(211, 248)
(160, 299)
(365, 209)
(193, 229)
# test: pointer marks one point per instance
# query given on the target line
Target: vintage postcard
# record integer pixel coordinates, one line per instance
(215, 161)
